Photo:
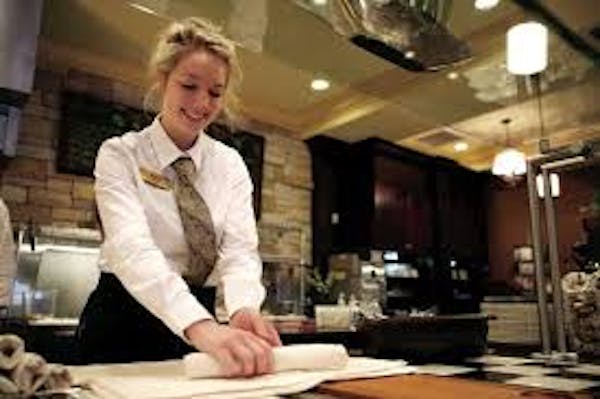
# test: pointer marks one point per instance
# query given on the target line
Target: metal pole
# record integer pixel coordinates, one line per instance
(534, 214)
(554, 264)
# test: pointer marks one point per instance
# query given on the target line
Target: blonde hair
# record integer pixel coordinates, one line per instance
(181, 38)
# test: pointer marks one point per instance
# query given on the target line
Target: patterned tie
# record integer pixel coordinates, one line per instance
(197, 223)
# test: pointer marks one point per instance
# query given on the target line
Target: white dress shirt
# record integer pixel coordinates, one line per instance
(8, 265)
(144, 243)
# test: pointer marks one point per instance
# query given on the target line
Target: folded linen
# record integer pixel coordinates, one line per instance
(59, 377)
(7, 386)
(292, 357)
(12, 349)
(165, 380)
(30, 374)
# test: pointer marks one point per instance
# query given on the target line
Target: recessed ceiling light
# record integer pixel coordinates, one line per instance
(319, 84)
(142, 8)
(461, 146)
(319, 2)
(485, 5)
(452, 75)
(410, 54)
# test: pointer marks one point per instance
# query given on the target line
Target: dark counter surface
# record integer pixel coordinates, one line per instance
(511, 298)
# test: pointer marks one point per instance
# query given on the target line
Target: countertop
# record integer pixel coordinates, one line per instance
(511, 298)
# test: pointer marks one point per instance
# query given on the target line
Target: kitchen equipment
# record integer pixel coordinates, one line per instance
(283, 279)
(58, 260)
(39, 303)
(345, 272)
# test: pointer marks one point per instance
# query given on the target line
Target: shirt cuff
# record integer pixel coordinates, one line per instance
(242, 293)
(187, 311)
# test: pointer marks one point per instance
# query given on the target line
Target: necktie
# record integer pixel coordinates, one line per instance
(197, 223)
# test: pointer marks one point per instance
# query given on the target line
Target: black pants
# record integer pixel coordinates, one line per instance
(115, 328)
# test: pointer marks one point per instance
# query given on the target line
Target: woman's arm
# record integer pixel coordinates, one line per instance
(239, 262)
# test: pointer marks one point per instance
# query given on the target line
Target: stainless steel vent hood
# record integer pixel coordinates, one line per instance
(19, 29)
(409, 33)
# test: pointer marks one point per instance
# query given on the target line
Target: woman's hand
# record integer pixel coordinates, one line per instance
(250, 320)
(240, 353)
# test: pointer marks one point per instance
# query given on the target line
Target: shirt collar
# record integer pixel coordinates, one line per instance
(167, 152)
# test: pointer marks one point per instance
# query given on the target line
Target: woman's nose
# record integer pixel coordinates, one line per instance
(202, 102)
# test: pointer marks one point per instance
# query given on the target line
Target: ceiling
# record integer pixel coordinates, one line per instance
(284, 46)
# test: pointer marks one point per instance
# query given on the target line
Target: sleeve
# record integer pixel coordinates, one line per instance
(129, 247)
(238, 262)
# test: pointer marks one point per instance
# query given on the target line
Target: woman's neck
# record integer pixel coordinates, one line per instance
(183, 140)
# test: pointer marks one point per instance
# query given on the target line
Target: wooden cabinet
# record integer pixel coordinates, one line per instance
(391, 204)
(403, 216)
(460, 211)
(329, 168)
(376, 195)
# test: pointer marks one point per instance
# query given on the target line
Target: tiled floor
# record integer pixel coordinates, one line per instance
(532, 372)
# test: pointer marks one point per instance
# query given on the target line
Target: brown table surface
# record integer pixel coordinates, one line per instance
(426, 386)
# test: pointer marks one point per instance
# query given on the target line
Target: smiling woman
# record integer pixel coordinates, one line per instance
(176, 209)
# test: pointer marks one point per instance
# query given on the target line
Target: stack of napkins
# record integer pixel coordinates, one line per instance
(26, 373)
(297, 368)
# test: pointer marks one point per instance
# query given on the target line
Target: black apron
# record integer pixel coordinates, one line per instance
(115, 328)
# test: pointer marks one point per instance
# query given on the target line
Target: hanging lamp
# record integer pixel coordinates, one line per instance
(509, 164)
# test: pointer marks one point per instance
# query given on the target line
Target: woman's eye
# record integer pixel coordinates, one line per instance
(188, 86)
(215, 94)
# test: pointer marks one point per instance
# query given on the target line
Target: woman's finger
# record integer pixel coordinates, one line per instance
(229, 365)
(274, 338)
(262, 354)
(244, 357)
(265, 330)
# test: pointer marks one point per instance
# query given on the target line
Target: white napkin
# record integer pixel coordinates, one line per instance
(7, 386)
(59, 378)
(293, 357)
(30, 374)
(12, 349)
(166, 380)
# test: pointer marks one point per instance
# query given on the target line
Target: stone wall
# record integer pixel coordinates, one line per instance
(33, 190)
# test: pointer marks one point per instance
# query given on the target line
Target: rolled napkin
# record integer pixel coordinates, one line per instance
(12, 349)
(30, 374)
(291, 357)
(59, 377)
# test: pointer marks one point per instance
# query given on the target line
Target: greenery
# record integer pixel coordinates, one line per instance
(319, 290)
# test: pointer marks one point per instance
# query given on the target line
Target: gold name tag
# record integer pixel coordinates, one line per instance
(155, 179)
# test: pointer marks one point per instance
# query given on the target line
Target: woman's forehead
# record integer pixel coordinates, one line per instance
(202, 64)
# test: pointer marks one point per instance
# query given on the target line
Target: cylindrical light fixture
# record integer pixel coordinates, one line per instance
(527, 48)
(485, 5)
(554, 185)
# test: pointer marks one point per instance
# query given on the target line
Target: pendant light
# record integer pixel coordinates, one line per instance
(509, 164)
(527, 48)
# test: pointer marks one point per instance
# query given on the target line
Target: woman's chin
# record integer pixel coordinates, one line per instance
(193, 127)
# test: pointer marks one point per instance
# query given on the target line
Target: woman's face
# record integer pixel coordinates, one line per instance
(193, 95)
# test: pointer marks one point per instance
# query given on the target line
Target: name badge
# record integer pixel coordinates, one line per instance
(155, 179)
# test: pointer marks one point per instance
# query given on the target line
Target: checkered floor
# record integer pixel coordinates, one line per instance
(582, 378)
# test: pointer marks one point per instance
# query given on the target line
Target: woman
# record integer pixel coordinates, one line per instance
(176, 207)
